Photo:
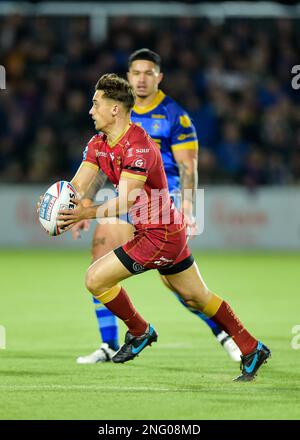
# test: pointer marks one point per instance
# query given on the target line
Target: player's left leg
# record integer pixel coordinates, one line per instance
(194, 292)
(222, 337)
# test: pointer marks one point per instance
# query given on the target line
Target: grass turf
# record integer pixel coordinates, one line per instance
(49, 321)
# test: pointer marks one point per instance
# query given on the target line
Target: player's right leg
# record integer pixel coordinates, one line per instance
(194, 292)
(106, 237)
(102, 280)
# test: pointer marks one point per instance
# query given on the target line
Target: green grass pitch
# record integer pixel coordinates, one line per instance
(49, 321)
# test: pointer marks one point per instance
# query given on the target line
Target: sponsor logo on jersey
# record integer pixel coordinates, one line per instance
(130, 152)
(182, 136)
(142, 150)
(118, 161)
(154, 116)
(100, 153)
(156, 126)
(185, 121)
(140, 163)
(112, 156)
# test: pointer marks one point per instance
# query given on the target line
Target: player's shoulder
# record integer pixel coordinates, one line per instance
(97, 138)
(172, 106)
(139, 138)
(177, 114)
(137, 134)
(93, 144)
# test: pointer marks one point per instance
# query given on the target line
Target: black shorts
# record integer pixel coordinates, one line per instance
(136, 267)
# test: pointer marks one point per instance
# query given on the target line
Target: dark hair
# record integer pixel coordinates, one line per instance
(116, 88)
(145, 54)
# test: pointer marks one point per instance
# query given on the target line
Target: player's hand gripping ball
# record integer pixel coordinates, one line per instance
(58, 197)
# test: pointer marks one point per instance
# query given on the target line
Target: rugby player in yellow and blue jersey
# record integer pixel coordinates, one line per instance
(172, 129)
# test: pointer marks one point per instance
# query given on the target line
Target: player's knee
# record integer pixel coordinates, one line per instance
(198, 299)
(93, 283)
(191, 303)
(89, 282)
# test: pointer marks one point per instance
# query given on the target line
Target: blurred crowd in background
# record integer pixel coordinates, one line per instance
(233, 77)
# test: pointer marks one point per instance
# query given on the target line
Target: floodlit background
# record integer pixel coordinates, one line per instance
(230, 67)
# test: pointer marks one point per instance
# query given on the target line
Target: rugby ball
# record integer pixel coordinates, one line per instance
(58, 196)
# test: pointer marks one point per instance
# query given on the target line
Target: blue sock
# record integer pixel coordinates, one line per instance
(211, 324)
(107, 324)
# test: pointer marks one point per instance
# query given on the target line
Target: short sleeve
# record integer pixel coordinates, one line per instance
(89, 155)
(183, 132)
(137, 162)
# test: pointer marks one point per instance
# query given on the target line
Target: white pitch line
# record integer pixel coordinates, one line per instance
(176, 346)
(54, 387)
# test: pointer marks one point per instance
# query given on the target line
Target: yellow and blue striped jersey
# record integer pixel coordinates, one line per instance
(171, 128)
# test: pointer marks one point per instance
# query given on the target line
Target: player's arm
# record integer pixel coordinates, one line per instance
(87, 195)
(132, 180)
(129, 189)
(97, 183)
(87, 200)
(84, 179)
(187, 163)
(185, 151)
(89, 178)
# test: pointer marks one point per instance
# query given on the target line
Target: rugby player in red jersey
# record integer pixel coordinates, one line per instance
(132, 162)
(172, 129)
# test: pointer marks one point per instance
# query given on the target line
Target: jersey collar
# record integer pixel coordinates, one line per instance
(122, 134)
(156, 101)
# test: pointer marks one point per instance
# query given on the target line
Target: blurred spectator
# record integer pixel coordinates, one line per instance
(253, 172)
(205, 119)
(232, 151)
